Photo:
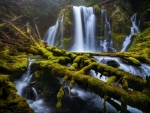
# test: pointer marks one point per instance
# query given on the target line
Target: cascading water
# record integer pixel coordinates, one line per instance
(24, 90)
(106, 43)
(143, 70)
(84, 32)
(50, 36)
(134, 29)
(89, 27)
(78, 33)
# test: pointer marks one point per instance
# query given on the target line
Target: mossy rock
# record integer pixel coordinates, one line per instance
(14, 65)
(118, 39)
(140, 45)
(113, 63)
(132, 61)
(9, 99)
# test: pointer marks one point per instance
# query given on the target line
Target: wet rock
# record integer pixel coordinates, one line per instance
(67, 90)
(113, 63)
(28, 93)
(32, 83)
(74, 93)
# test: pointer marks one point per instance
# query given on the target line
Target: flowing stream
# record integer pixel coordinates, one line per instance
(143, 70)
(84, 41)
(29, 92)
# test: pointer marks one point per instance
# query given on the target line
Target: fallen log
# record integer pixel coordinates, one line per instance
(79, 75)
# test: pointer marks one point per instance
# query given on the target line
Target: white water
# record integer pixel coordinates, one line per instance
(103, 78)
(35, 93)
(129, 108)
(78, 33)
(38, 104)
(134, 29)
(25, 79)
(92, 101)
(106, 44)
(142, 70)
(50, 36)
(89, 27)
(83, 38)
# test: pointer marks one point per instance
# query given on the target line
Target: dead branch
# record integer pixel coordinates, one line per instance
(5, 35)
(5, 41)
(37, 30)
(3, 24)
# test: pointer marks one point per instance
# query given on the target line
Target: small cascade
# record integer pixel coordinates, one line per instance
(78, 33)
(98, 76)
(23, 82)
(142, 70)
(134, 29)
(28, 92)
(50, 36)
(35, 93)
(106, 44)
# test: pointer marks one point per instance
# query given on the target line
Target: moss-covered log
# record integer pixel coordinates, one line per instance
(133, 98)
(79, 73)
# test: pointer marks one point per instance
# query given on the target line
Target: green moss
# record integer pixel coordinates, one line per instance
(59, 97)
(6, 51)
(111, 80)
(96, 9)
(33, 50)
(58, 105)
(118, 39)
(64, 43)
(14, 65)
(9, 99)
(132, 60)
(72, 82)
(146, 91)
(125, 84)
(140, 45)
(37, 75)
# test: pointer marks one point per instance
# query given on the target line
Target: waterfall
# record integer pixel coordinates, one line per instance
(89, 27)
(23, 84)
(50, 36)
(83, 39)
(106, 44)
(134, 29)
(25, 79)
(78, 33)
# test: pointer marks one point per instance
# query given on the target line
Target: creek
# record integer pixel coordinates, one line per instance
(81, 100)
(25, 90)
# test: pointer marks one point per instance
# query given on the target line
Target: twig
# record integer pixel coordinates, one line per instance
(1, 25)
(5, 35)
(5, 41)
(37, 30)
(118, 81)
